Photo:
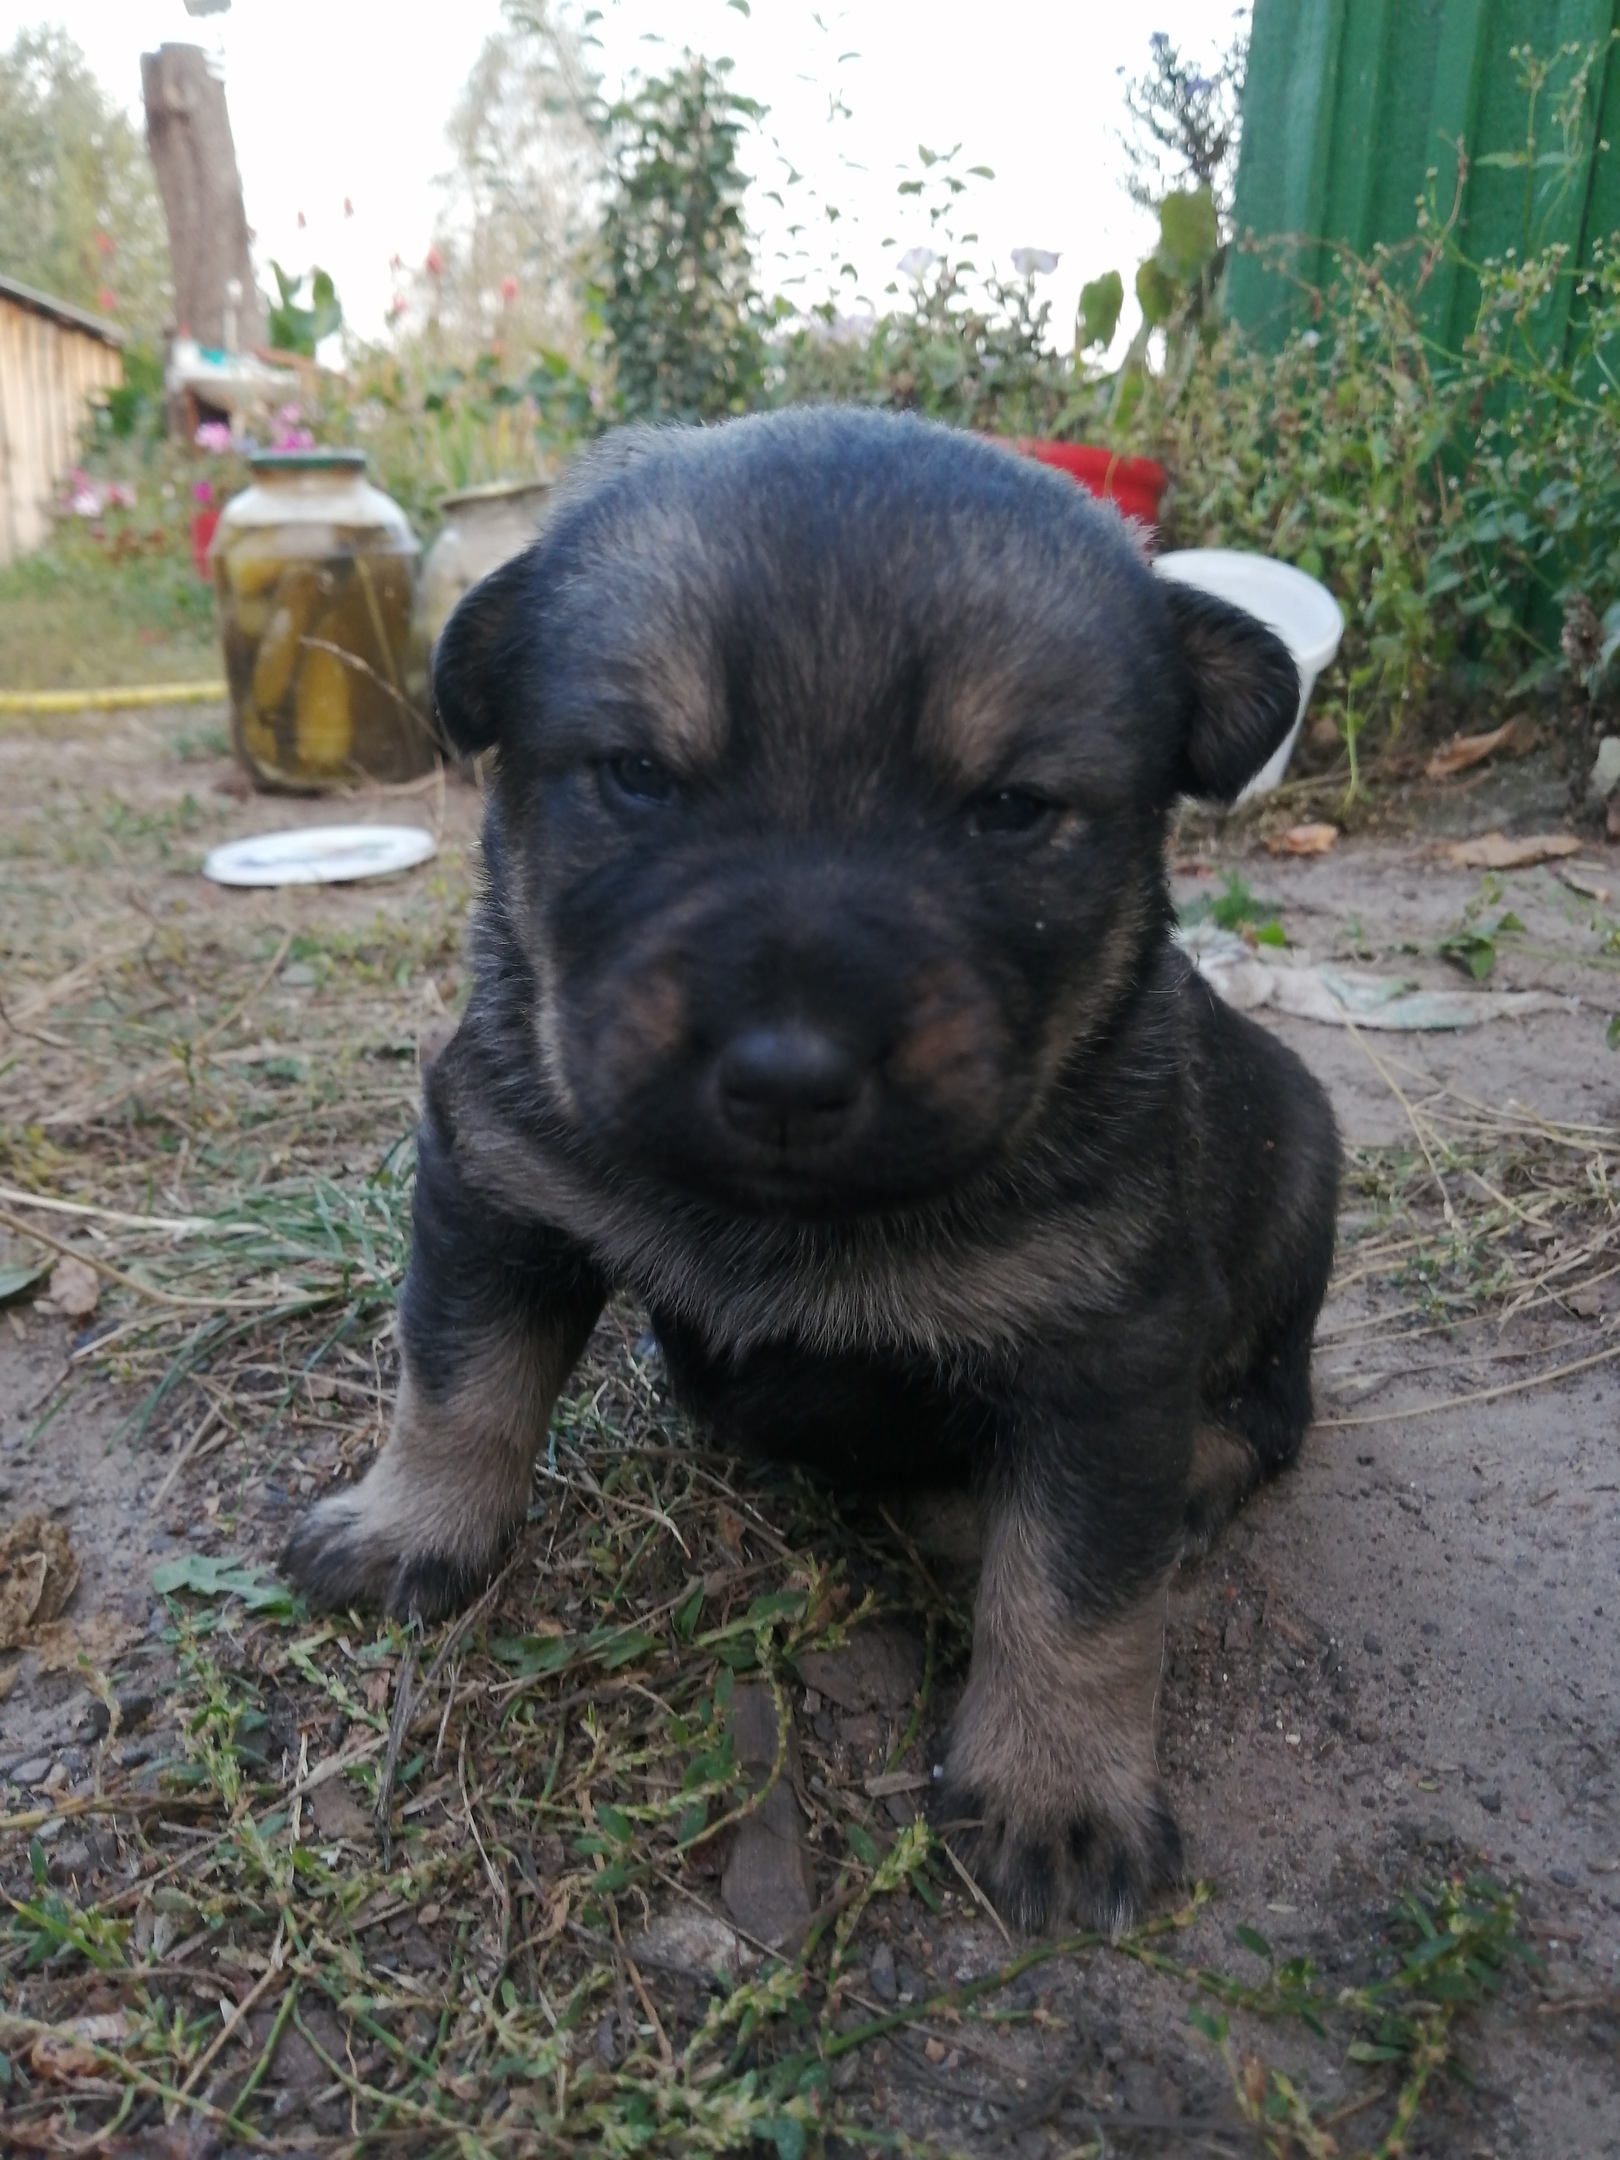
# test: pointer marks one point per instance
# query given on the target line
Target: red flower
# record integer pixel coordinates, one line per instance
(509, 289)
(435, 262)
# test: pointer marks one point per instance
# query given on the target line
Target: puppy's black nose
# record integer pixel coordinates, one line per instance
(788, 1086)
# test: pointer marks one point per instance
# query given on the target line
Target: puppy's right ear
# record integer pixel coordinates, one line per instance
(1240, 692)
(477, 655)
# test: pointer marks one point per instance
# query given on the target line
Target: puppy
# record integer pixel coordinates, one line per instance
(825, 997)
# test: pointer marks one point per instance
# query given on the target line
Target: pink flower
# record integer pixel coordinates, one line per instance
(397, 306)
(202, 491)
(291, 438)
(396, 263)
(509, 289)
(104, 245)
(348, 207)
(435, 262)
(107, 300)
(301, 221)
(213, 435)
(289, 415)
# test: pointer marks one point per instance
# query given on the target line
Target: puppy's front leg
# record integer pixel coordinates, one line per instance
(492, 1315)
(1052, 1750)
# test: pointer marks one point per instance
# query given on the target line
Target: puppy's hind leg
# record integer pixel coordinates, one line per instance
(1253, 1425)
(492, 1316)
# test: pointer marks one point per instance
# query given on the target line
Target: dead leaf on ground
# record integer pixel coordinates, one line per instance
(74, 1290)
(339, 1815)
(98, 1639)
(1304, 840)
(1495, 851)
(38, 1574)
(1517, 737)
(1579, 878)
(61, 2058)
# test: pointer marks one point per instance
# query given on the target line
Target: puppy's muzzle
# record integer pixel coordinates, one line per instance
(790, 1087)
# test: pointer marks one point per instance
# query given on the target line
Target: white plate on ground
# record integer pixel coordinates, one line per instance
(320, 855)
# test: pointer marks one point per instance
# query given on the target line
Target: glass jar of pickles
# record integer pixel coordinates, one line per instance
(314, 571)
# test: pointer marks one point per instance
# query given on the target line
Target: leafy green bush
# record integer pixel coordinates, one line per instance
(79, 210)
(683, 322)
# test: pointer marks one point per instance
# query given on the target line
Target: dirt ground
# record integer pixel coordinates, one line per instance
(1401, 1661)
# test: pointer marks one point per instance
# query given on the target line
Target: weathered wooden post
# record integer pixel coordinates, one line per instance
(188, 131)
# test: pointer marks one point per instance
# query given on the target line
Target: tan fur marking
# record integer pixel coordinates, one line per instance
(452, 1481)
(667, 664)
(1057, 1719)
(648, 1027)
(1224, 1472)
(950, 1049)
(970, 726)
(862, 1291)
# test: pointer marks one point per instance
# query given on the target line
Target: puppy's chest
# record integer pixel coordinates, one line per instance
(929, 1285)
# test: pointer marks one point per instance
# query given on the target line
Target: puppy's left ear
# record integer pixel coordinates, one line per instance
(1240, 692)
(477, 654)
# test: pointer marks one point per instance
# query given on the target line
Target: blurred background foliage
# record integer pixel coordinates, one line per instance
(593, 265)
(79, 211)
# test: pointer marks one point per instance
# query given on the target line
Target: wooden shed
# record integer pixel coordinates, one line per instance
(56, 362)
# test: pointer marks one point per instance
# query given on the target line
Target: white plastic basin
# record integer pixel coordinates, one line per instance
(1303, 613)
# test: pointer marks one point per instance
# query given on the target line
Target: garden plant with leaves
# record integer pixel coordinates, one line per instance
(683, 322)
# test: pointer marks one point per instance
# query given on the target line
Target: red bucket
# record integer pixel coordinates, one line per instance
(1134, 483)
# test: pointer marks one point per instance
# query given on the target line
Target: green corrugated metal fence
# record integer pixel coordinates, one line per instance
(1354, 111)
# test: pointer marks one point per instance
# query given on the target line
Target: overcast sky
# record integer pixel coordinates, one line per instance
(347, 99)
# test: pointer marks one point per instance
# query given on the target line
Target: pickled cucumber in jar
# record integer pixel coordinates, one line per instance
(314, 576)
(297, 591)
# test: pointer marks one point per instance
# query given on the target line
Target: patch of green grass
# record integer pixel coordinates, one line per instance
(1447, 1949)
(1236, 907)
(1473, 947)
(78, 614)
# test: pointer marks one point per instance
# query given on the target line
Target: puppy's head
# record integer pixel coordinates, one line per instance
(835, 753)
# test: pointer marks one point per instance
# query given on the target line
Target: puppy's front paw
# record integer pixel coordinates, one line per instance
(1051, 1770)
(1091, 1863)
(348, 1552)
(426, 1526)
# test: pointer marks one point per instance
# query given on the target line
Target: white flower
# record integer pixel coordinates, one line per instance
(917, 261)
(1034, 262)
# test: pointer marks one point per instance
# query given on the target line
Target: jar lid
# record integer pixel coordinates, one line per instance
(272, 461)
(495, 491)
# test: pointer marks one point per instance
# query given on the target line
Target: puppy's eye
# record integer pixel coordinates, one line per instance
(1008, 810)
(638, 779)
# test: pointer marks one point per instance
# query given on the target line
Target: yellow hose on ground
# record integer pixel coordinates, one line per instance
(65, 701)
